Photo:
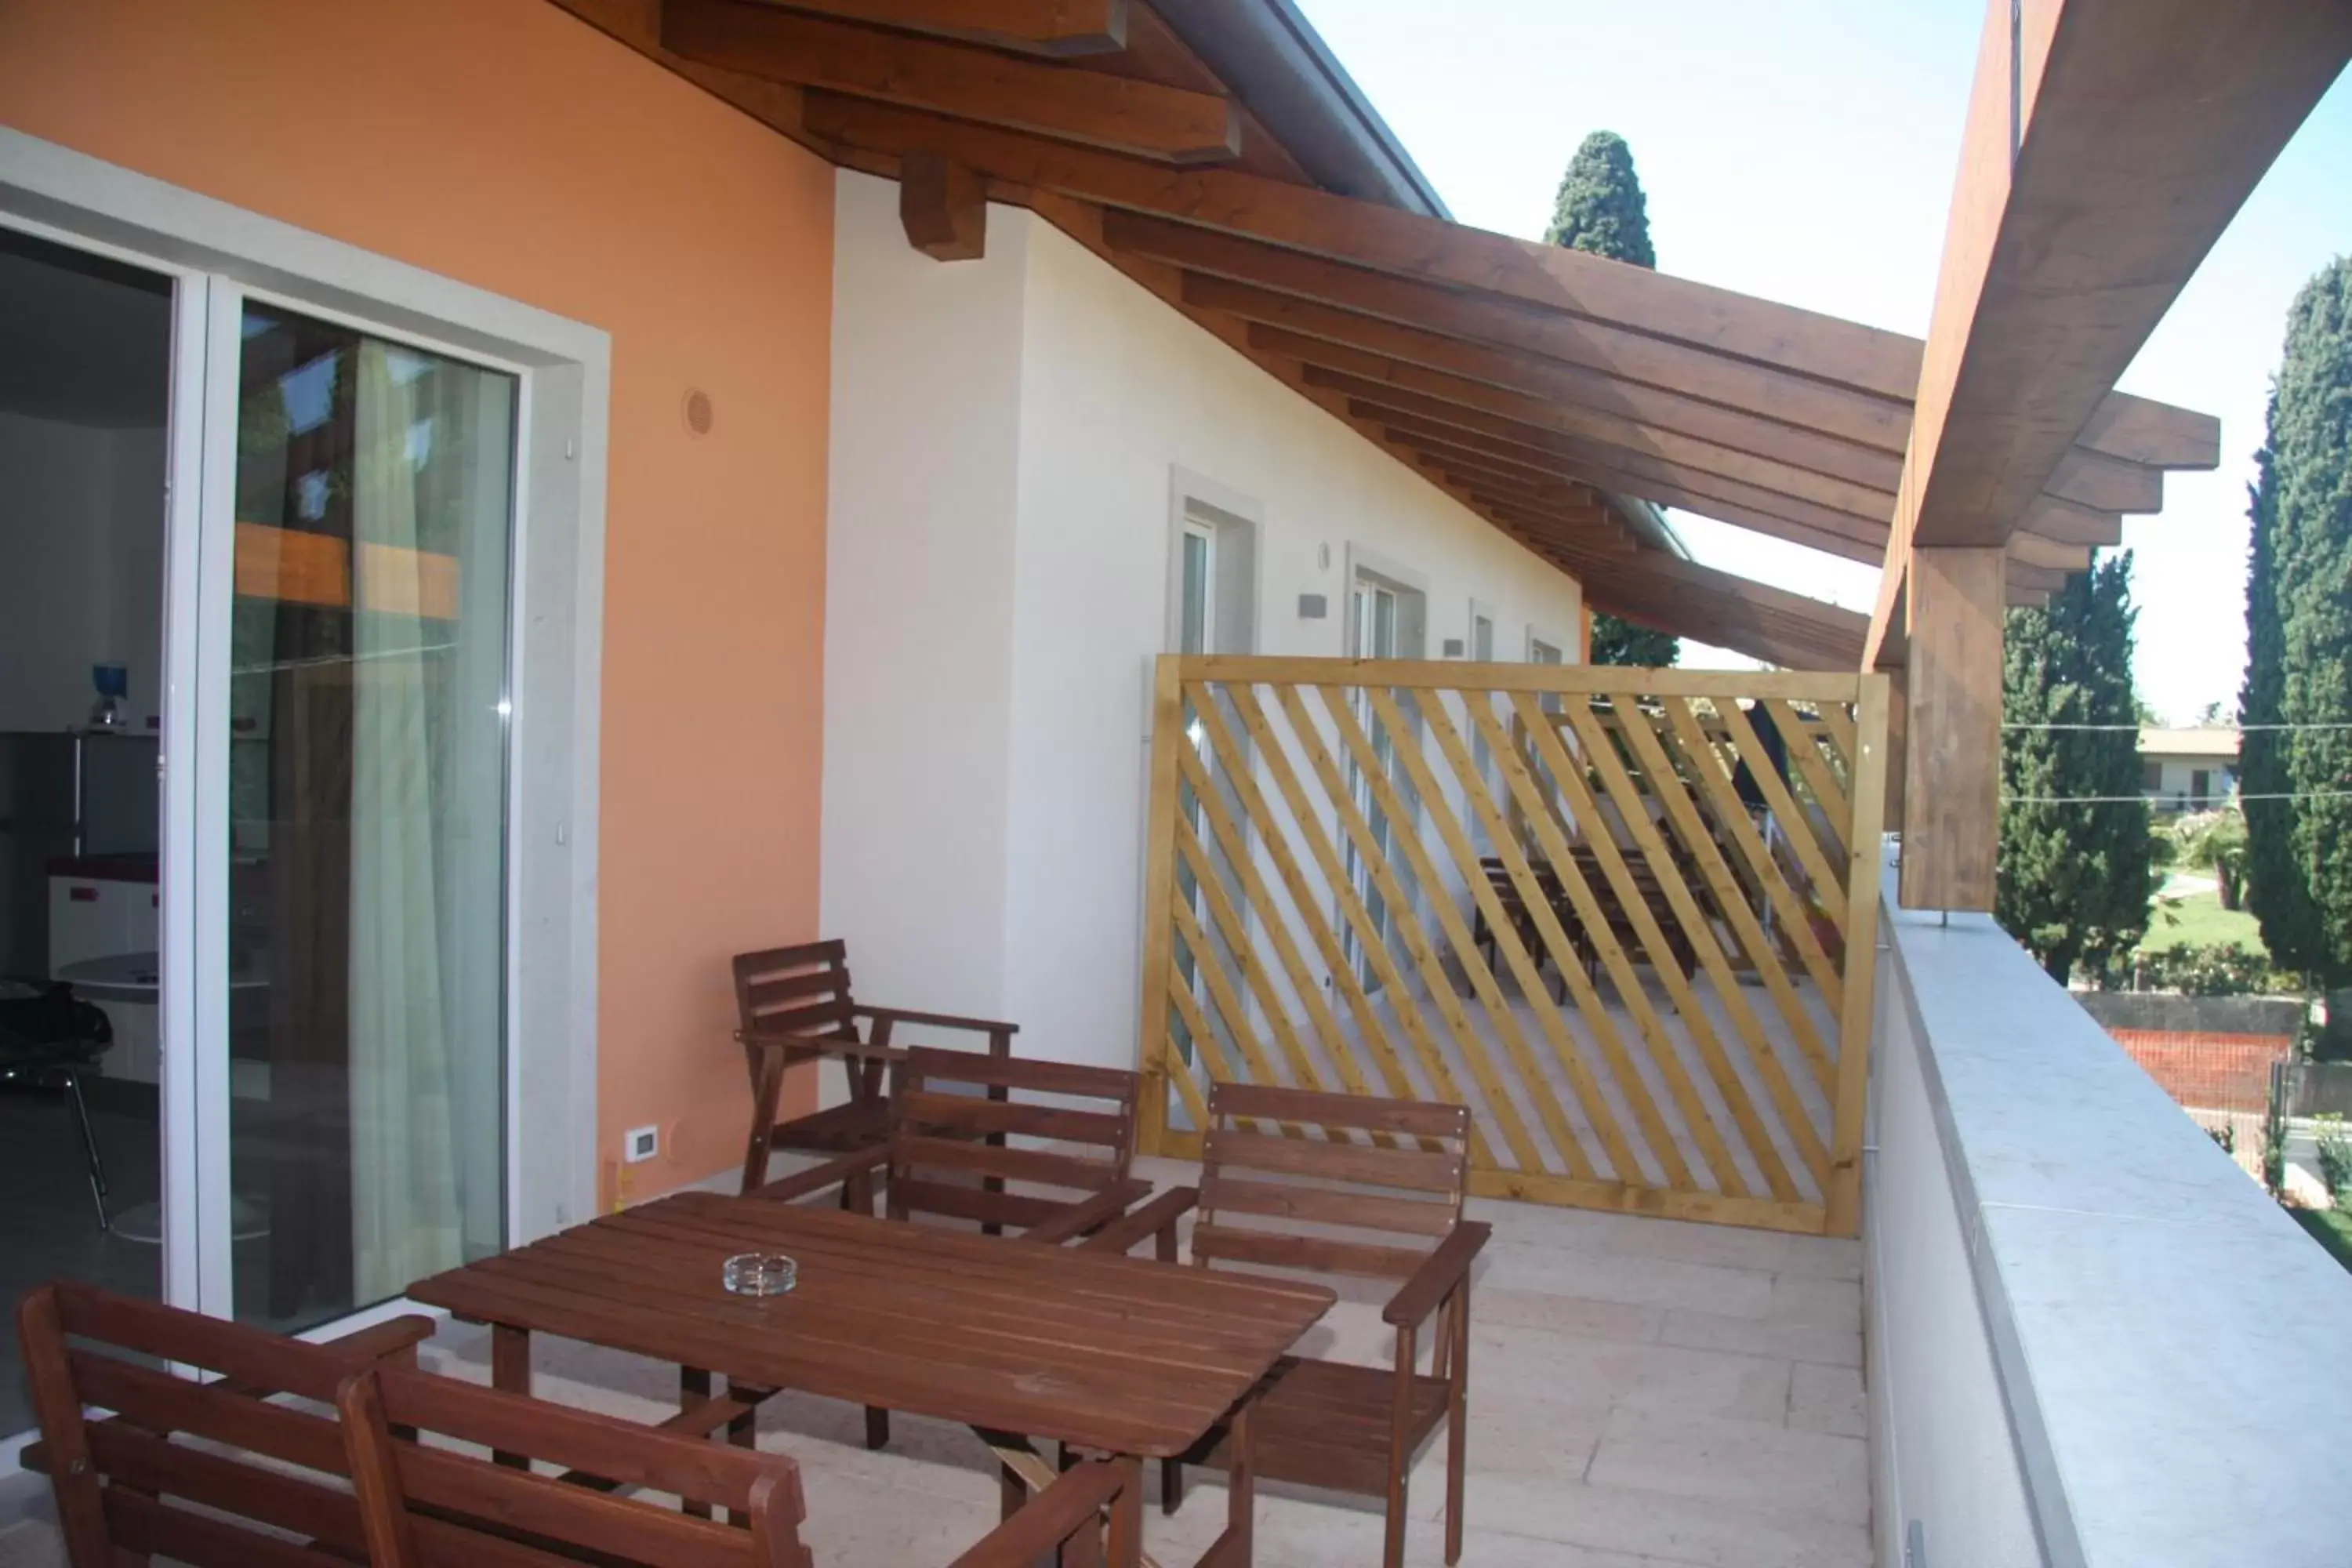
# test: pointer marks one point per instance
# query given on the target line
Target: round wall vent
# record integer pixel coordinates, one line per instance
(698, 411)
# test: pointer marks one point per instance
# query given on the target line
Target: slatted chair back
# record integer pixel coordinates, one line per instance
(802, 990)
(1372, 1196)
(966, 1127)
(260, 1484)
(429, 1505)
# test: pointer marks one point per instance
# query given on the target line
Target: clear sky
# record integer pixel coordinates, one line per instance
(1803, 151)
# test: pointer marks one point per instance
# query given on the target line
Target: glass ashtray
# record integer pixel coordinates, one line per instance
(759, 1274)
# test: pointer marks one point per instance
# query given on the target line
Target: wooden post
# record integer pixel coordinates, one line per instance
(1158, 889)
(1952, 739)
(1867, 798)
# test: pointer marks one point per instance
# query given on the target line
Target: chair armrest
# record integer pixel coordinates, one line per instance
(1122, 1233)
(1091, 1215)
(1439, 1273)
(818, 1045)
(816, 1178)
(1043, 1523)
(390, 1337)
(936, 1020)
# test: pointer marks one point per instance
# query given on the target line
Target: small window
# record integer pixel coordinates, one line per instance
(1482, 633)
(1212, 581)
(1197, 597)
(2151, 778)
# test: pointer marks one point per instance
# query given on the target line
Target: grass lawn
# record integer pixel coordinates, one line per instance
(2201, 920)
(2332, 1228)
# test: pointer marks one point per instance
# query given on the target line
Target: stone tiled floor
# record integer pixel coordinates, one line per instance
(1644, 1394)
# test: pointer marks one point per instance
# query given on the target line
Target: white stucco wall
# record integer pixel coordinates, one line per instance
(1108, 406)
(919, 607)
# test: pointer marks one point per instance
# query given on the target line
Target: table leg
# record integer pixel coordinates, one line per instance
(511, 1373)
(693, 1388)
(1240, 1487)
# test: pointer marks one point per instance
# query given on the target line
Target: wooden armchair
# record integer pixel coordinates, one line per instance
(794, 1006)
(1384, 1212)
(439, 1507)
(966, 1129)
(264, 1490)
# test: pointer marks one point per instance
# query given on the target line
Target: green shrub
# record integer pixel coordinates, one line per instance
(2274, 1144)
(2209, 969)
(2334, 1158)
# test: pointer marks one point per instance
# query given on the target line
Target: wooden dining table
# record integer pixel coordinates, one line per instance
(1018, 1339)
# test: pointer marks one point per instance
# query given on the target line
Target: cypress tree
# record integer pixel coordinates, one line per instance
(2074, 876)
(1600, 209)
(2299, 644)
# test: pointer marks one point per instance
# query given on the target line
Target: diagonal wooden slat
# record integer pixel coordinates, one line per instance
(1568, 773)
(1556, 944)
(1236, 937)
(1673, 1096)
(1225, 998)
(1342, 891)
(1410, 935)
(1235, 763)
(1699, 930)
(1714, 771)
(1617, 784)
(1258, 899)
(1805, 755)
(1524, 970)
(1731, 895)
(1795, 825)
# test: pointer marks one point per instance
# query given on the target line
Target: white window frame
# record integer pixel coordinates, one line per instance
(216, 253)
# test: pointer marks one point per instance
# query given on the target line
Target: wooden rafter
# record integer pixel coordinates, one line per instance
(1516, 378)
(1060, 28)
(1056, 99)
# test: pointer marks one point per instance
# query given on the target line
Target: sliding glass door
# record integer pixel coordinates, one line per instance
(369, 530)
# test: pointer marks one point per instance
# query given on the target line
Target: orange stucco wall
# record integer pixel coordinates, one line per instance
(507, 144)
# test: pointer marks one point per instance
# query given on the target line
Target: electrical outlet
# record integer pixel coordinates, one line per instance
(639, 1145)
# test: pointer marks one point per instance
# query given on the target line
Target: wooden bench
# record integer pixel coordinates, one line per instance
(1389, 1212)
(433, 1506)
(794, 1005)
(264, 1490)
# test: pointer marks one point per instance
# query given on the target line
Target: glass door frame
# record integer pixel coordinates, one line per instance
(217, 256)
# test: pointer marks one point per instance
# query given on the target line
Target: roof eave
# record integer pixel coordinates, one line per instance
(1272, 58)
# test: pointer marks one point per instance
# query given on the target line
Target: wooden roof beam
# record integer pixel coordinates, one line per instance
(1053, 100)
(2108, 144)
(1057, 29)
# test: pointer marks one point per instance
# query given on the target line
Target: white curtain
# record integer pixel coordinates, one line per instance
(407, 1213)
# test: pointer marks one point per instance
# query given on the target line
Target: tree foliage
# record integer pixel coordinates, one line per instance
(2299, 644)
(1621, 642)
(1600, 209)
(2075, 877)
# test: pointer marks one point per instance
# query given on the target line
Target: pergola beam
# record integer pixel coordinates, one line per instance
(1122, 112)
(1058, 28)
(2108, 144)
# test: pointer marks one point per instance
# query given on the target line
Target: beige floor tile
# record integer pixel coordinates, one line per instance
(1501, 1306)
(1828, 1345)
(1628, 1279)
(1826, 1303)
(1828, 1399)
(1652, 1527)
(1809, 1473)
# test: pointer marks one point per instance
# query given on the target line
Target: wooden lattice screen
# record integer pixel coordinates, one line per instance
(1617, 912)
